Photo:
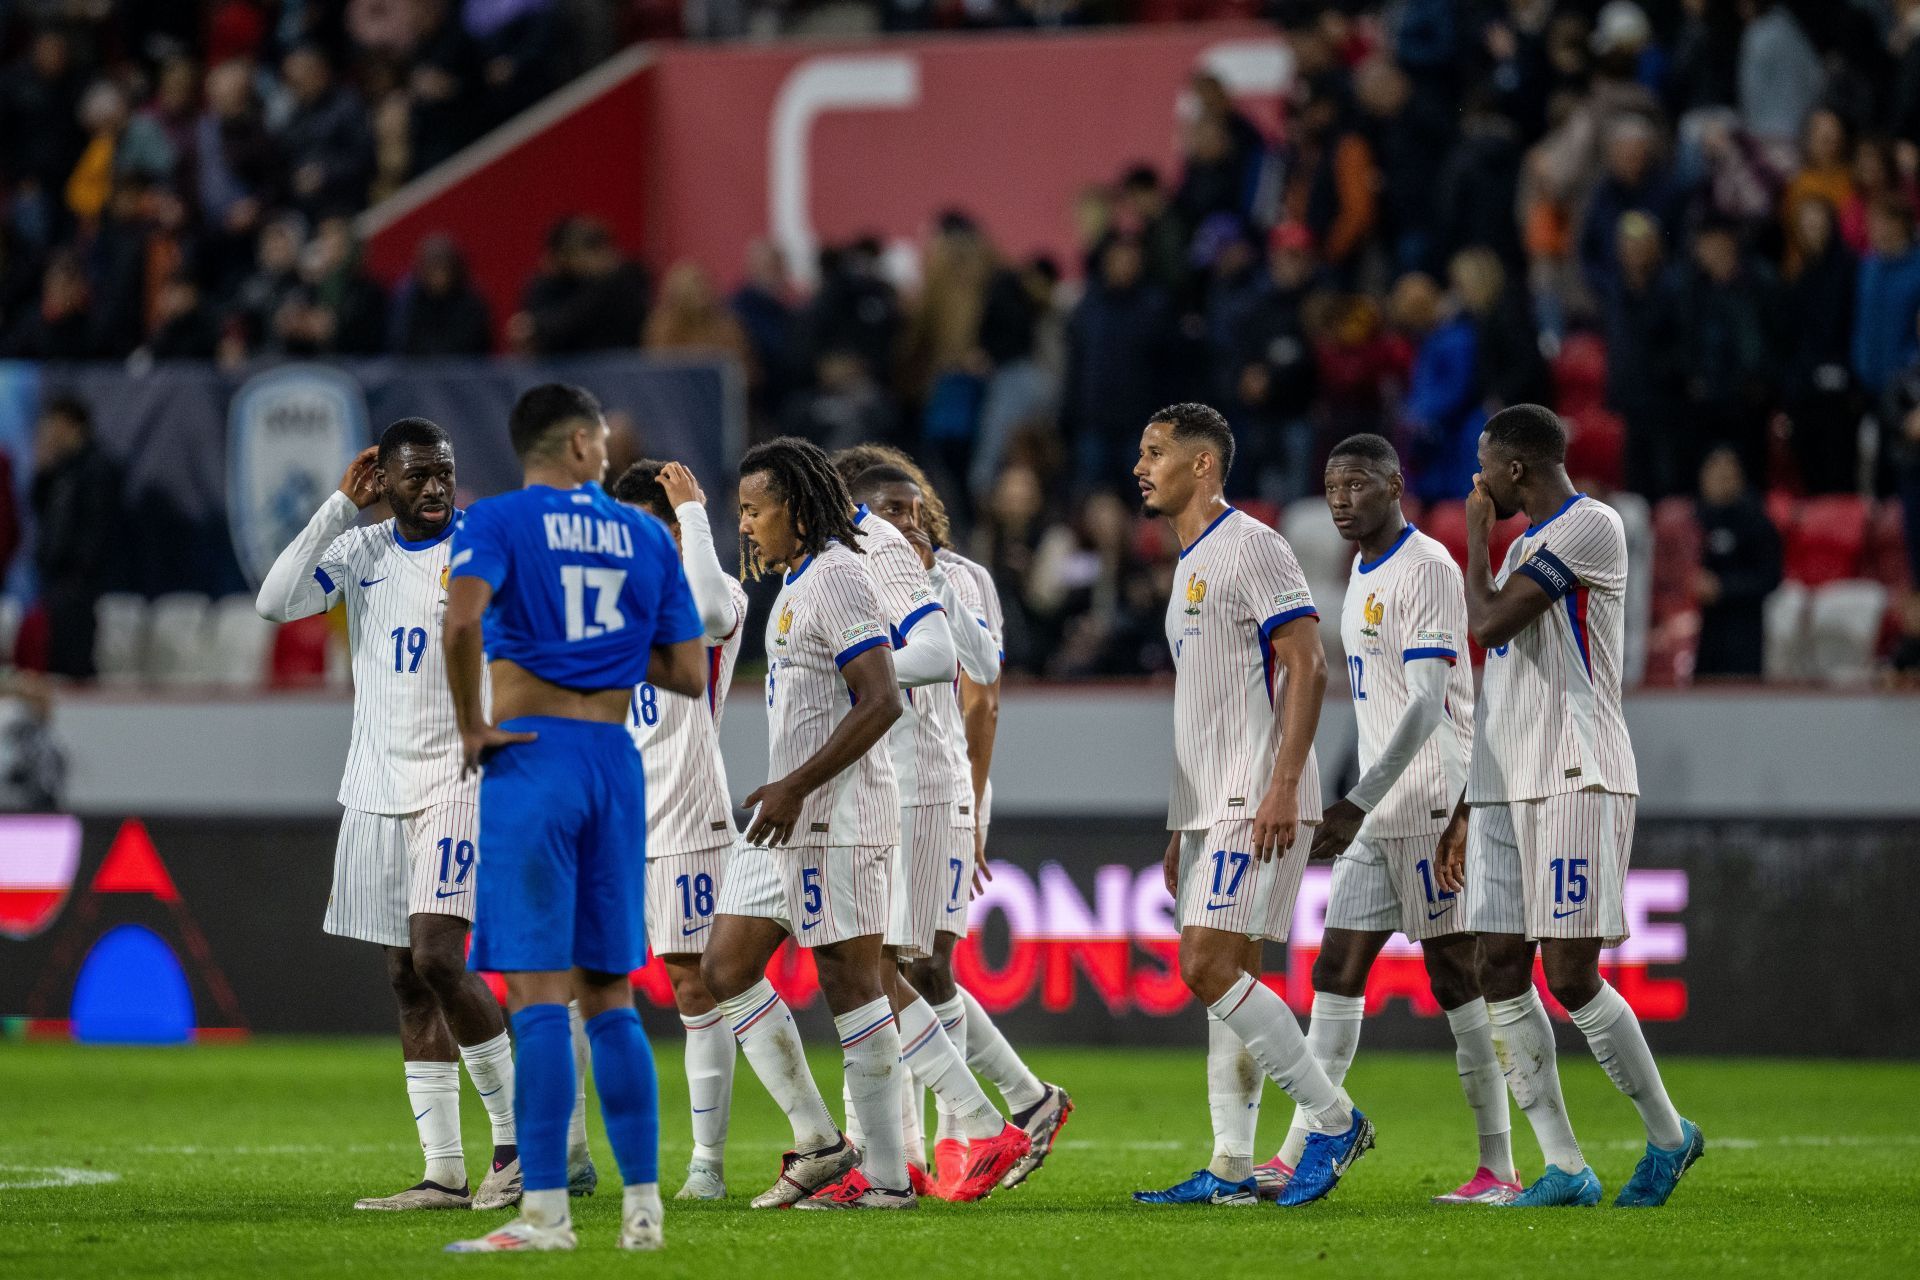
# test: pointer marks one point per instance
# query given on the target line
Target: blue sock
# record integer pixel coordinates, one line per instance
(629, 1093)
(542, 1093)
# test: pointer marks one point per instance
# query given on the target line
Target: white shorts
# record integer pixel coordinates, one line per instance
(683, 892)
(1385, 883)
(388, 867)
(1223, 886)
(820, 894)
(930, 876)
(1551, 868)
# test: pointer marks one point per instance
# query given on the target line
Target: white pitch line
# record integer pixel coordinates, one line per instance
(27, 1177)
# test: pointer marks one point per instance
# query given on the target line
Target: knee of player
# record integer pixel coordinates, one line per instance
(1574, 986)
(441, 970)
(1339, 973)
(932, 977)
(690, 993)
(1208, 969)
(1504, 965)
(723, 977)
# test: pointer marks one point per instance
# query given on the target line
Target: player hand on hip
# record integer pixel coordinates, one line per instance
(777, 812)
(680, 486)
(1450, 855)
(1480, 512)
(1170, 864)
(477, 745)
(1276, 822)
(1337, 830)
(361, 483)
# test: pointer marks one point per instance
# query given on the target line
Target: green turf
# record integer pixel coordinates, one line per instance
(244, 1160)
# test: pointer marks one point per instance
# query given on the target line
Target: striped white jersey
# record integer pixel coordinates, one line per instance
(688, 806)
(929, 760)
(404, 755)
(990, 615)
(1233, 587)
(828, 613)
(1409, 605)
(1549, 719)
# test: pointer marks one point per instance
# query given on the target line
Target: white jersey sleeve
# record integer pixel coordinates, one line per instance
(689, 808)
(923, 651)
(706, 580)
(1551, 716)
(305, 578)
(979, 650)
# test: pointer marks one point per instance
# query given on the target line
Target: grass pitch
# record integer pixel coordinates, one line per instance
(245, 1160)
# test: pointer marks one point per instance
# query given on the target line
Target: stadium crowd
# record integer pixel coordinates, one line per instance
(1689, 224)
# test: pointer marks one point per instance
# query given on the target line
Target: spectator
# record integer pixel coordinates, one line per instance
(119, 145)
(1411, 145)
(9, 528)
(1213, 178)
(1642, 368)
(185, 329)
(174, 109)
(1728, 323)
(1888, 297)
(443, 88)
(236, 172)
(1007, 543)
(1142, 209)
(33, 767)
(1819, 386)
(1877, 178)
(594, 299)
(1739, 569)
(691, 316)
(854, 309)
(438, 312)
(1444, 410)
(1706, 57)
(764, 305)
(336, 308)
(1781, 77)
(325, 143)
(1331, 179)
(522, 49)
(1900, 433)
(40, 134)
(845, 406)
(76, 508)
(60, 327)
(1275, 377)
(1634, 183)
(117, 259)
(1118, 343)
(1510, 368)
(1020, 385)
(942, 368)
(1477, 189)
(1825, 174)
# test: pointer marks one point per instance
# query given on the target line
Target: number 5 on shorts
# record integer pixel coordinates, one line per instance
(810, 890)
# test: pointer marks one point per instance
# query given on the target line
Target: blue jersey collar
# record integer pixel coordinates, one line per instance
(1204, 532)
(1368, 566)
(1533, 529)
(860, 514)
(427, 543)
(794, 577)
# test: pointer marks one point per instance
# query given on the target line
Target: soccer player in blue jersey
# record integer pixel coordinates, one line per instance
(572, 598)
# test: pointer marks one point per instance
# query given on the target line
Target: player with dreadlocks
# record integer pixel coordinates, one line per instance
(817, 858)
(942, 749)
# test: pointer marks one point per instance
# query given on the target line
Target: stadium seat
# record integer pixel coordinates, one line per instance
(1447, 523)
(1785, 613)
(238, 641)
(1829, 540)
(1324, 555)
(1783, 509)
(1596, 446)
(1580, 373)
(1673, 646)
(1267, 513)
(1676, 559)
(120, 636)
(1886, 557)
(299, 655)
(177, 636)
(1843, 630)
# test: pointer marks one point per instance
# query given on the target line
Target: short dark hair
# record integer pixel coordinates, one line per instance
(420, 432)
(65, 404)
(1191, 421)
(1374, 448)
(541, 409)
(876, 477)
(1530, 432)
(640, 485)
(856, 460)
(816, 496)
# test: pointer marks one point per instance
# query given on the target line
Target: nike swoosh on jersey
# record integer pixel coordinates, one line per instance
(688, 933)
(1562, 915)
(448, 893)
(368, 582)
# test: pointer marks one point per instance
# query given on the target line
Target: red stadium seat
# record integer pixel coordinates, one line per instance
(1596, 446)
(1676, 560)
(300, 653)
(1886, 559)
(1267, 513)
(1447, 522)
(1829, 541)
(1580, 373)
(1783, 508)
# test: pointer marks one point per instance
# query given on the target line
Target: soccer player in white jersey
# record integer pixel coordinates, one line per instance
(1552, 790)
(816, 861)
(408, 855)
(1249, 674)
(914, 507)
(689, 812)
(1401, 846)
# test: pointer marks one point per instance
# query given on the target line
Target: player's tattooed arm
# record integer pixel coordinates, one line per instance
(1495, 615)
(467, 600)
(876, 705)
(1297, 651)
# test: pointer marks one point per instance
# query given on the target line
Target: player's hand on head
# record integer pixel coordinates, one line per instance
(361, 483)
(477, 746)
(680, 486)
(1276, 822)
(1450, 855)
(1480, 513)
(1337, 830)
(776, 809)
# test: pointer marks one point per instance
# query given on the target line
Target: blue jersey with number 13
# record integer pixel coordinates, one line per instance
(583, 586)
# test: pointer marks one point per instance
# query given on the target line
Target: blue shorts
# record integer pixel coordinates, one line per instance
(564, 821)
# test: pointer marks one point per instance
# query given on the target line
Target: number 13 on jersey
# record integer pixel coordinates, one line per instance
(576, 582)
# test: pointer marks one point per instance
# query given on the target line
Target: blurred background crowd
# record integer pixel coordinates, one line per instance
(1687, 224)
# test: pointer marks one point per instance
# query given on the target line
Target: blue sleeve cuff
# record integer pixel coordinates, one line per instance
(851, 652)
(326, 583)
(1412, 655)
(1279, 620)
(907, 623)
(1550, 572)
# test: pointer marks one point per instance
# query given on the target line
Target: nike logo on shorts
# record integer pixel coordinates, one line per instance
(1562, 915)
(368, 582)
(688, 933)
(808, 925)
(1435, 915)
(1219, 906)
(448, 893)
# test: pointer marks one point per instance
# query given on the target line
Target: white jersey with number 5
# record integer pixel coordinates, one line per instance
(688, 805)
(1550, 720)
(1410, 605)
(1233, 588)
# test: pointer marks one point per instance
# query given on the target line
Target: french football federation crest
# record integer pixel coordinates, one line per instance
(1196, 593)
(1372, 613)
(784, 625)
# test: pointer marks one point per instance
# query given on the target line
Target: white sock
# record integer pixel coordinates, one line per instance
(546, 1208)
(1234, 1081)
(434, 1090)
(1616, 1039)
(582, 1071)
(934, 1062)
(989, 1054)
(1264, 1023)
(855, 1131)
(1480, 1080)
(763, 1025)
(953, 1021)
(913, 1121)
(490, 1066)
(710, 1055)
(642, 1198)
(1333, 1037)
(1523, 1043)
(870, 1045)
